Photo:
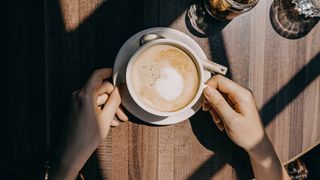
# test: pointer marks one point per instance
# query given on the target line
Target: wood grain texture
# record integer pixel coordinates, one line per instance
(80, 36)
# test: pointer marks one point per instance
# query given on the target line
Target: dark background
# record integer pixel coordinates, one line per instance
(23, 115)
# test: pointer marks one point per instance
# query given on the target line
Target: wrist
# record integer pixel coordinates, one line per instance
(264, 161)
(56, 171)
(72, 155)
(67, 163)
(262, 151)
(63, 169)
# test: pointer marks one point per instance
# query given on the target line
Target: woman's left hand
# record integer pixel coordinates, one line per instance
(92, 113)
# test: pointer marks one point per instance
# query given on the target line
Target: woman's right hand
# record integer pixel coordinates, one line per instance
(233, 108)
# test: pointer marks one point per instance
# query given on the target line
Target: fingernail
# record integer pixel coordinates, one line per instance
(208, 91)
(217, 121)
(126, 118)
(115, 122)
(205, 107)
(116, 89)
(220, 126)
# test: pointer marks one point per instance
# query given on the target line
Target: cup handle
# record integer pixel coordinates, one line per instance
(209, 65)
(214, 67)
(149, 37)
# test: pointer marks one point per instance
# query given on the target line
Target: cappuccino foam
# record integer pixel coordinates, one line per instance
(165, 78)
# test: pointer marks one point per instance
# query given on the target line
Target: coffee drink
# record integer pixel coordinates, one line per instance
(165, 78)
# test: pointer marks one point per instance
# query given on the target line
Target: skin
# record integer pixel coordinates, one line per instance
(95, 108)
(88, 124)
(233, 109)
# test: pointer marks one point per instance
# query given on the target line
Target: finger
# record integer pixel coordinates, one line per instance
(219, 104)
(216, 119)
(96, 79)
(220, 126)
(206, 107)
(105, 88)
(205, 100)
(224, 84)
(102, 99)
(236, 93)
(215, 116)
(115, 123)
(121, 115)
(111, 106)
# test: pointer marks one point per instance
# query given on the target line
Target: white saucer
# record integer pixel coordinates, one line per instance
(119, 70)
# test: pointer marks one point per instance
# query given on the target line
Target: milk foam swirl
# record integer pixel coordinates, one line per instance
(165, 78)
(170, 84)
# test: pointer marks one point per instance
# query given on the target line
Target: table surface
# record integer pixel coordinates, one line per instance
(81, 35)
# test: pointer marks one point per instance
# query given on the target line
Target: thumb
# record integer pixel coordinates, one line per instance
(217, 101)
(111, 107)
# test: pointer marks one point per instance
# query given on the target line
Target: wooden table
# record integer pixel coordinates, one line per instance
(81, 35)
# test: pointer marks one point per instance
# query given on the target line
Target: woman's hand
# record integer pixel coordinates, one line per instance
(233, 108)
(92, 113)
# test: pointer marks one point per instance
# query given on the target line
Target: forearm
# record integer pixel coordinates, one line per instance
(59, 171)
(69, 161)
(265, 162)
(65, 166)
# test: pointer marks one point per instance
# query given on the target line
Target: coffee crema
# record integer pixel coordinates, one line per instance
(165, 78)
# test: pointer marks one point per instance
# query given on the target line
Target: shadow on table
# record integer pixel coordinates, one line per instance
(287, 22)
(291, 90)
(225, 151)
(212, 139)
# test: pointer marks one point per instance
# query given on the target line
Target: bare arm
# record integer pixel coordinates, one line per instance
(265, 162)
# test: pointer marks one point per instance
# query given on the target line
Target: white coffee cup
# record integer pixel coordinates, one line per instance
(151, 40)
